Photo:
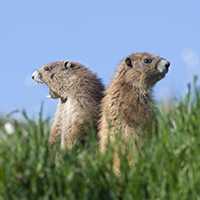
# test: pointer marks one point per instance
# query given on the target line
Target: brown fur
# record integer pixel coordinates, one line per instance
(80, 93)
(127, 102)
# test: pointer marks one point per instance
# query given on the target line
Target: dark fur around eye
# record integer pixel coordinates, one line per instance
(52, 76)
(48, 69)
(147, 60)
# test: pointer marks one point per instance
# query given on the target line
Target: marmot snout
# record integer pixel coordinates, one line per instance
(80, 93)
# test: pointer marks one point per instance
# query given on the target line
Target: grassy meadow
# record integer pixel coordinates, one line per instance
(168, 166)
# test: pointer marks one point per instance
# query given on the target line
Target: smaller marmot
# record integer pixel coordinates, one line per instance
(127, 102)
(80, 93)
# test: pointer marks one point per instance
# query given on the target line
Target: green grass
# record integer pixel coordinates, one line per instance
(168, 166)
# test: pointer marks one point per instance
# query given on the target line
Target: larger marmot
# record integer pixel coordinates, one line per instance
(126, 105)
(80, 93)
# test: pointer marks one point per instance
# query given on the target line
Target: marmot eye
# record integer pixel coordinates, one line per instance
(47, 69)
(147, 60)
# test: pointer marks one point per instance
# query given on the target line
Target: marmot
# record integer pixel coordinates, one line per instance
(126, 105)
(80, 93)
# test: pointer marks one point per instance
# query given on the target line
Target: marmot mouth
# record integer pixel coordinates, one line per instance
(52, 95)
(36, 76)
(161, 75)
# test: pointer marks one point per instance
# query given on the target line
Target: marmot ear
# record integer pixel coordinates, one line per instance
(128, 62)
(67, 65)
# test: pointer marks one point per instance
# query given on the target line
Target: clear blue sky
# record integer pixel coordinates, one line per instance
(99, 34)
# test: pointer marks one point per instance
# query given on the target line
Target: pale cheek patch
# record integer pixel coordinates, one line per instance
(161, 67)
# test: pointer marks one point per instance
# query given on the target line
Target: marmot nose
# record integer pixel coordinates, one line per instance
(33, 74)
(167, 64)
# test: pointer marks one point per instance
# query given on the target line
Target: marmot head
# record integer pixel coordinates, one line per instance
(62, 78)
(142, 70)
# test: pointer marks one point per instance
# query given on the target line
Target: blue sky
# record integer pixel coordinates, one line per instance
(98, 34)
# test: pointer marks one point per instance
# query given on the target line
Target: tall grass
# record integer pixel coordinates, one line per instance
(168, 166)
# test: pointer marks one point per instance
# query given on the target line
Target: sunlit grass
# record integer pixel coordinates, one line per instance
(167, 168)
